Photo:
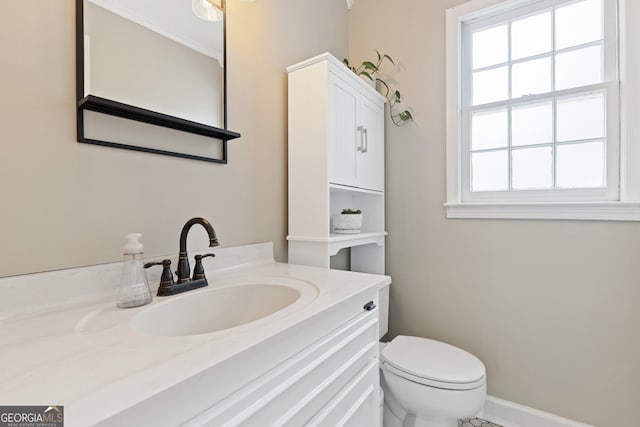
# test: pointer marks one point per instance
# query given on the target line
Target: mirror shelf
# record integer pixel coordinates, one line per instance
(125, 111)
(119, 109)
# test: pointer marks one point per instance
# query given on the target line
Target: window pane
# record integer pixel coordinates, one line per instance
(532, 168)
(581, 165)
(581, 117)
(579, 67)
(489, 129)
(532, 124)
(531, 36)
(490, 47)
(490, 86)
(578, 23)
(490, 171)
(531, 77)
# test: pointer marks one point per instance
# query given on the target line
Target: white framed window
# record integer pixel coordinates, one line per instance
(533, 110)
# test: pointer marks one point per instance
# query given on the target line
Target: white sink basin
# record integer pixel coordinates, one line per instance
(216, 309)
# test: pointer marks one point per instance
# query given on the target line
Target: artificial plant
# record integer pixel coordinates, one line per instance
(371, 70)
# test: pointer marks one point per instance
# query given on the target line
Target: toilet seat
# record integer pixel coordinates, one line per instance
(433, 363)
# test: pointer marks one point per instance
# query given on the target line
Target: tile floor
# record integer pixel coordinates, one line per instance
(476, 422)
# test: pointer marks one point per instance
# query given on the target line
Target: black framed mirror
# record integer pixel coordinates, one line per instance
(143, 64)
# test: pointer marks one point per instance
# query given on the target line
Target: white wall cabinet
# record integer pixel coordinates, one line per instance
(336, 161)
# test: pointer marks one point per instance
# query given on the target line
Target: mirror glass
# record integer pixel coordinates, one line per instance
(158, 56)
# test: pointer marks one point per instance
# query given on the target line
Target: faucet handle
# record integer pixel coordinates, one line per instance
(198, 269)
(166, 279)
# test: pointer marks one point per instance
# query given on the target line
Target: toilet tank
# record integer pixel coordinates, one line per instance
(383, 310)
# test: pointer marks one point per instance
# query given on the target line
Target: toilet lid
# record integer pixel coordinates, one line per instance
(433, 361)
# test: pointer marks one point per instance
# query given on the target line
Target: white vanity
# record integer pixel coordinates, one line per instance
(265, 343)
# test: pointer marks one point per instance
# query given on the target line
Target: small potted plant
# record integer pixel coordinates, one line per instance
(348, 222)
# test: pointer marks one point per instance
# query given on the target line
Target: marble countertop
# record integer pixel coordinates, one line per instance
(80, 352)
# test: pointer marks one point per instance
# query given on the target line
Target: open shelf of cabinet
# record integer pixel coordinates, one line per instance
(348, 189)
(336, 242)
(366, 254)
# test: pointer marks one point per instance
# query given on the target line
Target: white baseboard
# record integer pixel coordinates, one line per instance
(510, 414)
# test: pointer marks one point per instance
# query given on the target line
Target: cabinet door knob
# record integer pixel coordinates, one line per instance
(360, 146)
(369, 306)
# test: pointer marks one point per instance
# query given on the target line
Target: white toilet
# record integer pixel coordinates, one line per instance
(428, 383)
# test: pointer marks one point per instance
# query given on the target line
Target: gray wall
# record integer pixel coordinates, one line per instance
(550, 307)
(68, 204)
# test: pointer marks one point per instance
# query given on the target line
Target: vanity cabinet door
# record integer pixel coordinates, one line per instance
(336, 378)
(356, 405)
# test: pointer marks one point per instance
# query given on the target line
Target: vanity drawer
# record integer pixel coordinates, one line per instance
(294, 391)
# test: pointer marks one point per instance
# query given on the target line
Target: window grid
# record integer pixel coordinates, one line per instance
(549, 54)
(551, 96)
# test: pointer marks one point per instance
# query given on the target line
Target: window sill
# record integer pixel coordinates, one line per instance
(592, 211)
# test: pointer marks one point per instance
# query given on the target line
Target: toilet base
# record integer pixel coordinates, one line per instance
(390, 419)
(438, 412)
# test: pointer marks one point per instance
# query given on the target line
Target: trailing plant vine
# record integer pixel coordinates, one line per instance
(371, 70)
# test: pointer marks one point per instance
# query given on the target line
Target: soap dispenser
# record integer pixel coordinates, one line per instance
(134, 288)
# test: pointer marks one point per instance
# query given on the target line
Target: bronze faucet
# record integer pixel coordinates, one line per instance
(183, 259)
(185, 283)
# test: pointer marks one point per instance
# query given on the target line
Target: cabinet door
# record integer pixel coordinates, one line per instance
(343, 104)
(370, 151)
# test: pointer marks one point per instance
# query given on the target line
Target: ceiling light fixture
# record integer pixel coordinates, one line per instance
(208, 10)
